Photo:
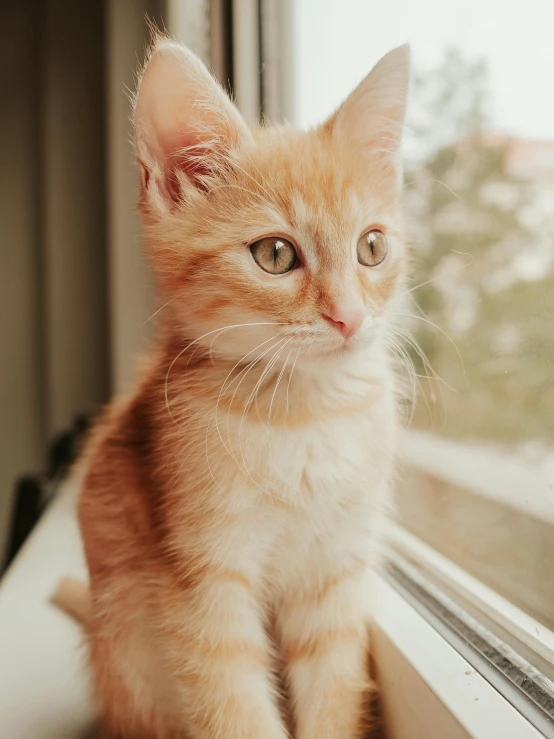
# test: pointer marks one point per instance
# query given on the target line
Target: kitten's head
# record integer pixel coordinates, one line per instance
(271, 240)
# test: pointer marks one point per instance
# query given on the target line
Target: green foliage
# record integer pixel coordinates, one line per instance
(467, 216)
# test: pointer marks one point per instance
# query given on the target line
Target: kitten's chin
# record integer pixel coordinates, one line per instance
(346, 353)
(336, 352)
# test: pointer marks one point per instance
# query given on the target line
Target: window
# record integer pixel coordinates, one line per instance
(476, 347)
(464, 627)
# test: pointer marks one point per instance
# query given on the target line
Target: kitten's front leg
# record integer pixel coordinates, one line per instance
(222, 667)
(324, 638)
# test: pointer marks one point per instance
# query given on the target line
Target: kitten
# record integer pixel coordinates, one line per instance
(231, 504)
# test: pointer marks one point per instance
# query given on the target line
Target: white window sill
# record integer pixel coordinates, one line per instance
(43, 688)
(429, 690)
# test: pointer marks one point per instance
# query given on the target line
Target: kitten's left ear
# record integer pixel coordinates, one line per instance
(373, 115)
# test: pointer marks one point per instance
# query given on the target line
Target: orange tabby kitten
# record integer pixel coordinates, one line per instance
(230, 504)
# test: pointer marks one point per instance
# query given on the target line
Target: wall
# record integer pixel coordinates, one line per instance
(73, 210)
(131, 296)
(21, 400)
(53, 252)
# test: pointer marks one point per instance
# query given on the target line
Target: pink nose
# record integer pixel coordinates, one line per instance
(346, 317)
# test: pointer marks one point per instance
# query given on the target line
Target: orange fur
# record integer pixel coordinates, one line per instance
(230, 510)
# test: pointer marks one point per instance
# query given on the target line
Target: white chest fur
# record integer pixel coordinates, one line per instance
(314, 492)
(298, 496)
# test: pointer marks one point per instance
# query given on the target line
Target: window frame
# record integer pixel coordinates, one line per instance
(428, 688)
(523, 628)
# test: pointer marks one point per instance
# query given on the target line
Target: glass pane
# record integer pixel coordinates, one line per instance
(479, 197)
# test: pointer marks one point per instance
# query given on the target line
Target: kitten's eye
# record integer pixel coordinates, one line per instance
(274, 255)
(372, 248)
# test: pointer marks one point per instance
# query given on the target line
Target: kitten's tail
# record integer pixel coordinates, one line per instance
(73, 597)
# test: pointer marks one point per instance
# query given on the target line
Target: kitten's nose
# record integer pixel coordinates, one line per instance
(346, 317)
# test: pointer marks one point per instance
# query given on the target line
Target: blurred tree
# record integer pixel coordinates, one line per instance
(473, 240)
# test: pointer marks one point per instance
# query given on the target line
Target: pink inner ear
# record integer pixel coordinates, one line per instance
(173, 148)
(185, 123)
(144, 174)
(194, 164)
(190, 147)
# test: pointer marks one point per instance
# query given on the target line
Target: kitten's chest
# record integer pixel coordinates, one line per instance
(325, 463)
(336, 489)
(289, 489)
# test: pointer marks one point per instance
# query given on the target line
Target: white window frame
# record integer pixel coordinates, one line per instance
(429, 690)
(469, 590)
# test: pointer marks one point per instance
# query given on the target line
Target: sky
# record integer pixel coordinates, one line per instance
(337, 41)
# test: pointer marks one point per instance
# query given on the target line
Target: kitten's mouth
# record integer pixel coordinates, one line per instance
(349, 346)
(317, 347)
(336, 351)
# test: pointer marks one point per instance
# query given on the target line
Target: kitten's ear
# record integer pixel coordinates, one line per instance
(373, 115)
(185, 124)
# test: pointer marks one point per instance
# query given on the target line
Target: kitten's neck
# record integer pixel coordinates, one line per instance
(269, 390)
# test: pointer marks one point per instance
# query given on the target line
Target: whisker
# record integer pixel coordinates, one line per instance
(241, 360)
(406, 336)
(406, 363)
(246, 371)
(213, 420)
(208, 333)
(288, 386)
(443, 332)
(218, 331)
(440, 182)
(225, 386)
(277, 383)
(249, 402)
(428, 282)
(158, 311)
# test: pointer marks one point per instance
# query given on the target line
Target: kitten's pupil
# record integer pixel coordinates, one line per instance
(372, 248)
(274, 255)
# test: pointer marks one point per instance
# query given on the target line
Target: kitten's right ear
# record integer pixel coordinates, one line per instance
(185, 125)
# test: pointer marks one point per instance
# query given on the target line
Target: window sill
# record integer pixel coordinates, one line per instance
(43, 685)
(429, 691)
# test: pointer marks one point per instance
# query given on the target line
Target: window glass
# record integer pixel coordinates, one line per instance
(479, 160)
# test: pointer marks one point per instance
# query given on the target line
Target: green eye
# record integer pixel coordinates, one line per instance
(372, 248)
(274, 255)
